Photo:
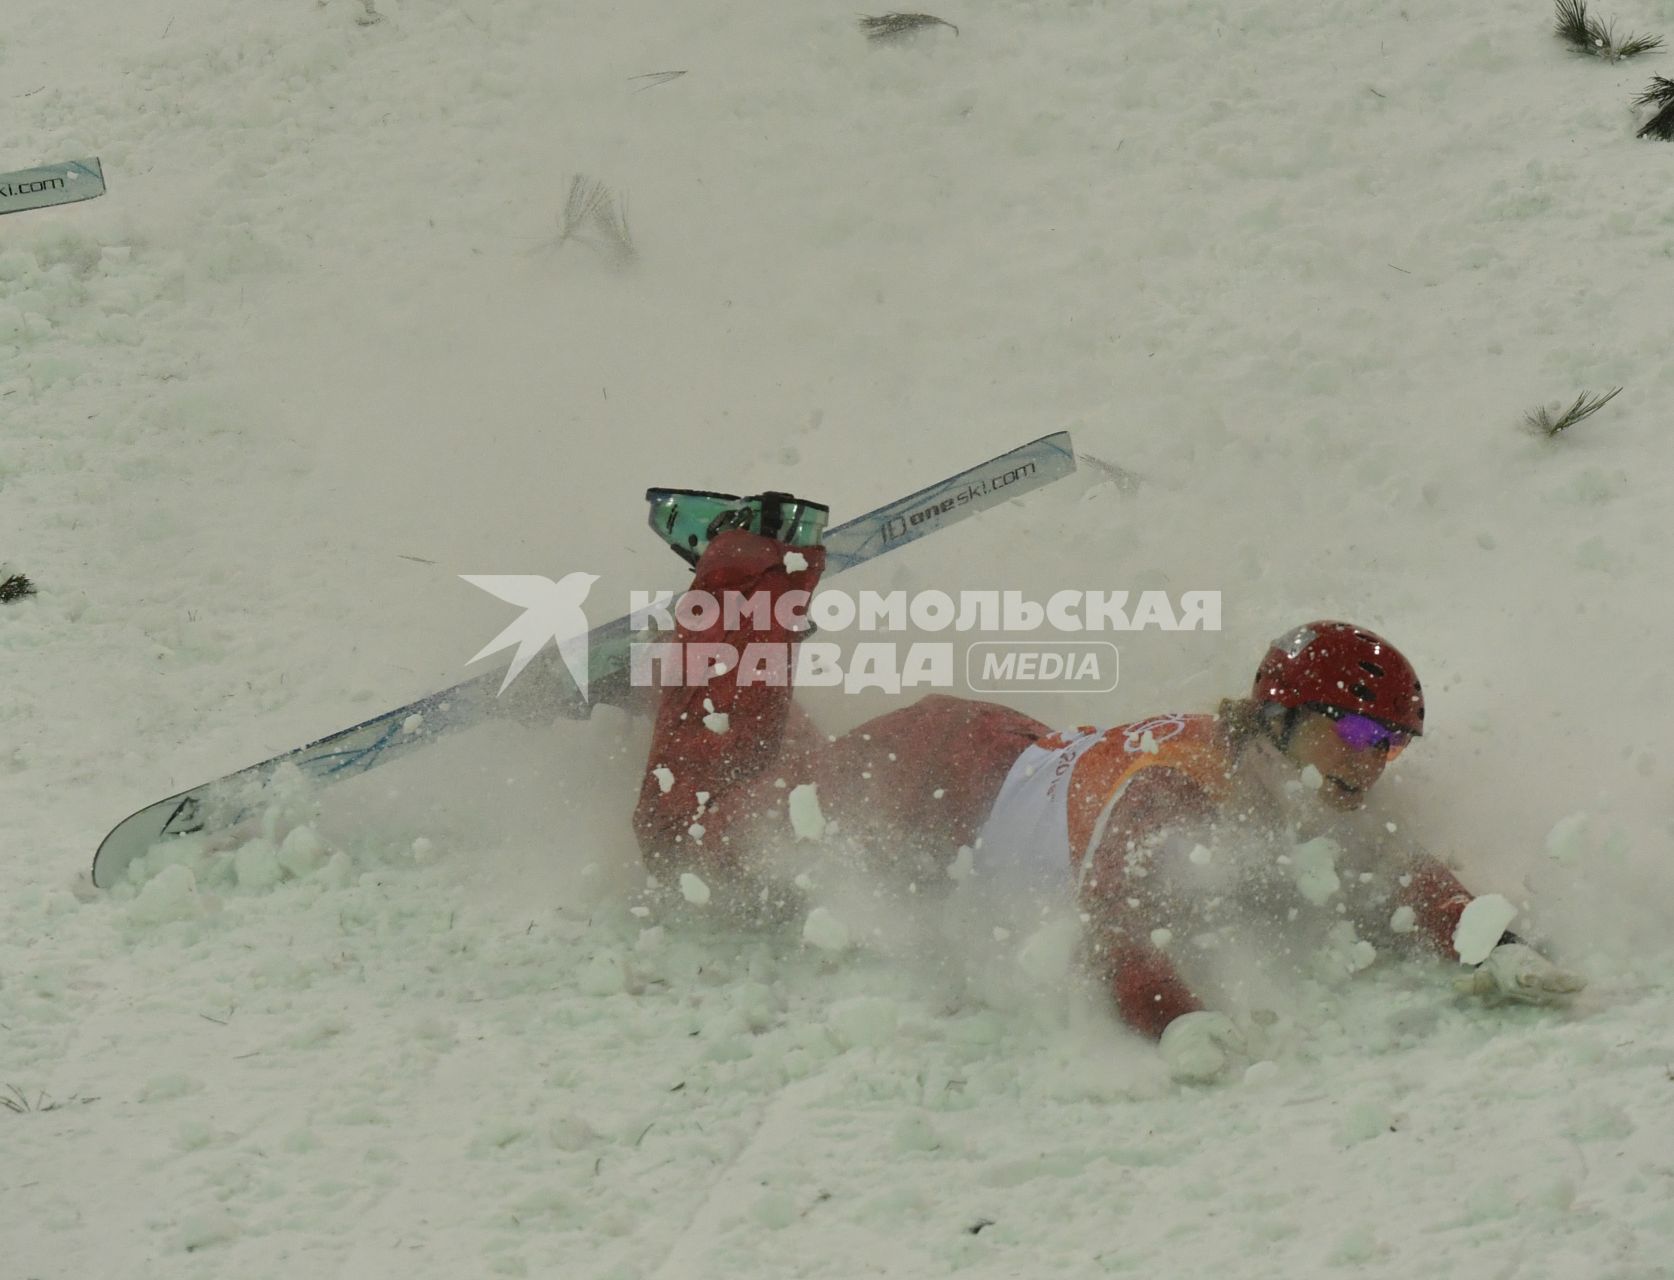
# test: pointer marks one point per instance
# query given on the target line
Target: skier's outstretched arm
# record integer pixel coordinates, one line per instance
(1123, 894)
(1436, 898)
(1513, 970)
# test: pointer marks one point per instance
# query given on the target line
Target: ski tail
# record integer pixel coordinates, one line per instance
(946, 503)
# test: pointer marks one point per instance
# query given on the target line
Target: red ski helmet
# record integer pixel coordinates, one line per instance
(1339, 665)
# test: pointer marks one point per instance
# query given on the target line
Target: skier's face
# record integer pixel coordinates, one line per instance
(1349, 771)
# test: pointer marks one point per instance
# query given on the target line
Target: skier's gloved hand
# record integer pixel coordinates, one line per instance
(1200, 1046)
(1513, 971)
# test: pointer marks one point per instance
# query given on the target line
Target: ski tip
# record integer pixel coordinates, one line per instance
(117, 851)
(133, 837)
(112, 858)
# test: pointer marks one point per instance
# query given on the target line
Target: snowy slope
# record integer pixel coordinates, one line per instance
(317, 352)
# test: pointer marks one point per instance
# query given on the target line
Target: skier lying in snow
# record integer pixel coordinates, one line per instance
(1115, 816)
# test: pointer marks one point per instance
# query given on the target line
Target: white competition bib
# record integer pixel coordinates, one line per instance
(1025, 842)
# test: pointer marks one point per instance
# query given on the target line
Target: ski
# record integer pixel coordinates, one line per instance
(51, 184)
(547, 692)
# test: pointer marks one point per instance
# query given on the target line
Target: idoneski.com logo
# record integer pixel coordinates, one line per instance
(898, 527)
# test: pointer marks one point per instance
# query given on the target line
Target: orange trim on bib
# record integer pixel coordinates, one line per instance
(1190, 744)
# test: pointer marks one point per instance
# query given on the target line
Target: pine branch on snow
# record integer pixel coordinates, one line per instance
(1660, 125)
(592, 204)
(655, 78)
(1660, 94)
(1576, 29)
(1587, 34)
(1124, 480)
(18, 1101)
(1549, 422)
(1636, 45)
(15, 588)
(890, 25)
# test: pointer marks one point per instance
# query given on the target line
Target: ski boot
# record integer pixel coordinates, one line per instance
(687, 519)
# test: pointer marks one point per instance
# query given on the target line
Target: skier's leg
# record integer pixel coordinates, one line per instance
(909, 787)
(712, 739)
(917, 783)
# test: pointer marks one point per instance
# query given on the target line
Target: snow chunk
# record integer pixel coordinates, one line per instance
(206, 1227)
(825, 931)
(1566, 841)
(795, 562)
(914, 1132)
(713, 720)
(664, 777)
(863, 1021)
(318, 1032)
(1200, 856)
(605, 975)
(696, 831)
(805, 816)
(336, 872)
(256, 864)
(1480, 927)
(1049, 953)
(172, 894)
(166, 1088)
(963, 866)
(650, 941)
(1161, 937)
(693, 889)
(1343, 952)
(1148, 743)
(1314, 868)
(302, 851)
(194, 1135)
(1405, 920)
(413, 723)
(571, 1132)
(774, 1208)
(1260, 1073)
(1356, 1246)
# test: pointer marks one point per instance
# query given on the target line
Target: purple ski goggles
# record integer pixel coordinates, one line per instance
(1366, 734)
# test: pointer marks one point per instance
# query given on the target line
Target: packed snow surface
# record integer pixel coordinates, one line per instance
(1291, 274)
